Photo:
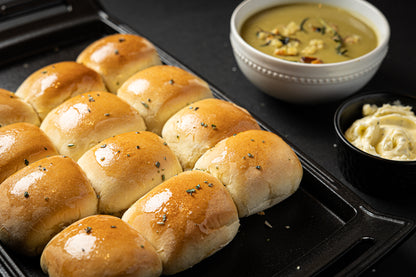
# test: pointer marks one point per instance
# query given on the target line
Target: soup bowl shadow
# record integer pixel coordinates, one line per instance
(304, 83)
(369, 173)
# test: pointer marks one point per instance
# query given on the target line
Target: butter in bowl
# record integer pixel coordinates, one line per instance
(377, 142)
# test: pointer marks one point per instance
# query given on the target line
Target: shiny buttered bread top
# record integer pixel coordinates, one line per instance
(86, 119)
(119, 56)
(13, 109)
(51, 85)
(158, 92)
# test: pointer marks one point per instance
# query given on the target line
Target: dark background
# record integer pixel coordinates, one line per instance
(197, 34)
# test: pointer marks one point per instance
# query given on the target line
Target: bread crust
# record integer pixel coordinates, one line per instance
(199, 126)
(257, 167)
(84, 120)
(41, 199)
(125, 167)
(100, 245)
(20, 145)
(187, 218)
(13, 110)
(51, 85)
(158, 92)
(117, 57)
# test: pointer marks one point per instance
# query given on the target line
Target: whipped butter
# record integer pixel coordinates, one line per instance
(388, 132)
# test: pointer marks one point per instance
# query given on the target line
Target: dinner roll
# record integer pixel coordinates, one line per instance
(41, 199)
(20, 145)
(13, 109)
(187, 218)
(125, 167)
(51, 85)
(119, 56)
(160, 91)
(198, 127)
(84, 120)
(100, 245)
(257, 167)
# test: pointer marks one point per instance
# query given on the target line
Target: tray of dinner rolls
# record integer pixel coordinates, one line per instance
(118, 160)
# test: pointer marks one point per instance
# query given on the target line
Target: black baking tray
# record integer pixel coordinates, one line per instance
(324, 229)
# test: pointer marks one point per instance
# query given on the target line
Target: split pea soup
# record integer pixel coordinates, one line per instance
(309, 33)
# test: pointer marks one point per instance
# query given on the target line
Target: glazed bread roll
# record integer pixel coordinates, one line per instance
(119, 56)
(160, 91)
(51, 85)
(13, 110)
(125, 167)
(187, 218)
(41, 199)
(84, 120)
(257, 167)
(100, 245)
(20, 145)
(199, 126)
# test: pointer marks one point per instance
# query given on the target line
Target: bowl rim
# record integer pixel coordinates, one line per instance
(359, 98)
(381, 43)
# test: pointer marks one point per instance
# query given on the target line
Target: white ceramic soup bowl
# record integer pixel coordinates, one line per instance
(308, 83)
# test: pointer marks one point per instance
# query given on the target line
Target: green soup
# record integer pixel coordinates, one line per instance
(309, 33)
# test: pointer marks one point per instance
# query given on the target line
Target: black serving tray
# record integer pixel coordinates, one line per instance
(324, 229)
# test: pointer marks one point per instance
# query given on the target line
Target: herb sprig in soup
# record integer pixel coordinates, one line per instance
(309, 33)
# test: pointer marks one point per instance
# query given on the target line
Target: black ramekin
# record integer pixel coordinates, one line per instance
(369, 173)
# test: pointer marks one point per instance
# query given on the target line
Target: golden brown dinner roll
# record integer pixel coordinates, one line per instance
(41, 199)
(187, 218)
(20, 145)
(100, 245)
(51, 85)
(125, 167)
(13, 110)
(160, 91)
(84, 120)
(119, 56)
(257, 167)
(198, 127)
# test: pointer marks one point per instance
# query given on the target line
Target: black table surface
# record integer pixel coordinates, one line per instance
(197, 34)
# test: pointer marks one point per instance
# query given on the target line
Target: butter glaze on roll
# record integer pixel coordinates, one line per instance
(51, 85)
(199, 126)
(187, 218)
(119, 56)
(100, 245)
(84, 120)
(41, 199)
(20, 145)
(257, 167)
(125, 167)
(160, 91)
(13, 109)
